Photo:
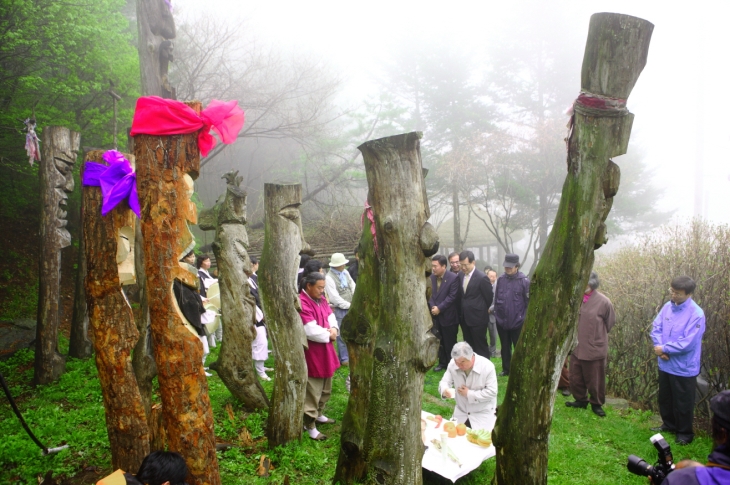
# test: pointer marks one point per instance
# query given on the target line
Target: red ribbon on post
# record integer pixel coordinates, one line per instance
(162, 117)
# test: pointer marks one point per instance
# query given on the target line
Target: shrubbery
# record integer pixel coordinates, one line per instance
(636, 279)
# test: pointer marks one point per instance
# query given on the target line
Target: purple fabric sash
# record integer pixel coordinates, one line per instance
(117, 181)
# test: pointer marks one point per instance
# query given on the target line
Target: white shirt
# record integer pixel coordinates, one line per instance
(479, 404)
(314, 331)
(336, 301)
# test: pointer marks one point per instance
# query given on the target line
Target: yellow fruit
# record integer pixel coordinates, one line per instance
(461, 429)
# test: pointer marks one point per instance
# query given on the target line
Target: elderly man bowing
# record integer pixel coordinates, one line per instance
(474, 380)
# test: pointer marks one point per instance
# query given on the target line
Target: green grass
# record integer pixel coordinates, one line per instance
(584, 449)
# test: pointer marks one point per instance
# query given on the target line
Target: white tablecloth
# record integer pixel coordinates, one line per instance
(469, 454)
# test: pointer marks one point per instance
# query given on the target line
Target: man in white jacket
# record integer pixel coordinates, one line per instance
(472, 380)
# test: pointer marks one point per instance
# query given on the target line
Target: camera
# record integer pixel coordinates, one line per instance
(663, 466)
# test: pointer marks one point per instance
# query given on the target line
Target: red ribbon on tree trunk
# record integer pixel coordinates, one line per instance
(162, 117)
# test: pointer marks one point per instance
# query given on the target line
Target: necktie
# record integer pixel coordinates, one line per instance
(438, 282)
(466, 281)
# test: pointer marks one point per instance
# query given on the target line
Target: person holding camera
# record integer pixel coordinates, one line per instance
(677, 336)
(717, 469)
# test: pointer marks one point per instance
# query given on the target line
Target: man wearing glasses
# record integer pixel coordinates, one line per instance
(677, 336)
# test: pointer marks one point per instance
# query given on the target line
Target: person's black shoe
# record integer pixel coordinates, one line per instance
(682, 441)
(598, 410)
(577, 404)
(565, 392)
(503, 374)
(662, 428)
(439, 368)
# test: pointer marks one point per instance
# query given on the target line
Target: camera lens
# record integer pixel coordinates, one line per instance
(637, 466)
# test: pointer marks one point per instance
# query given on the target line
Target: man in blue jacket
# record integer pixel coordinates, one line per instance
(444, 308)
(677, 336)
(511, 296)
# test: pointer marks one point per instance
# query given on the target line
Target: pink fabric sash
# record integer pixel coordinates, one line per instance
(160, 117)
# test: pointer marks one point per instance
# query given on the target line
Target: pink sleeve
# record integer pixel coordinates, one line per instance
(307, 312)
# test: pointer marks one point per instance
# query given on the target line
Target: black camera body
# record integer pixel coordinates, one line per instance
(663, 467)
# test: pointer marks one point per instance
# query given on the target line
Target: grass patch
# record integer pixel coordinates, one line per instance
(583, 447)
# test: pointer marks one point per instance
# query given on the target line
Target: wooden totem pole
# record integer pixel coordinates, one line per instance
(109, 243)
(60, 148)
(283, 243)
(615, 54)
(238, 306)
(156, 29)
(166, 167)
(387, 329)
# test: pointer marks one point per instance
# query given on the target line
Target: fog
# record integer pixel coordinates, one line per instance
(679, 101)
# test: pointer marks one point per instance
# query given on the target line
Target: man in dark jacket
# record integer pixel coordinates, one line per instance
(476, 298)
(444, 308)
(510, 306)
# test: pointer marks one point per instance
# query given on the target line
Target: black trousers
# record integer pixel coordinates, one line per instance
(448, 340)
(477, 337)
(677, 403)
(508, 340)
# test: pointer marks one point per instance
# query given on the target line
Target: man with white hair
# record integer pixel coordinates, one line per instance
(473, 380)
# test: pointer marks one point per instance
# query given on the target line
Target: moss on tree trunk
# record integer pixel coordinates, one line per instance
(615, 54)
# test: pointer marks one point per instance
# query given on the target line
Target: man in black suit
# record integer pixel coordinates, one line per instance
(476, 298)
(444, 307)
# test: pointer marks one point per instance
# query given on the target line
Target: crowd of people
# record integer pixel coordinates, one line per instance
(489, 309)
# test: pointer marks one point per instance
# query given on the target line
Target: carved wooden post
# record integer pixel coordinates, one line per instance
(283, 242)
(388, 326)
(109, 243)
(79, 345)
(235, 364)
(155, 28)
(60, 147)
(166, 166)
(615, 55)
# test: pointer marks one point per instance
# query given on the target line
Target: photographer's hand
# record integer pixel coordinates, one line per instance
(664, 356)
(658, 350)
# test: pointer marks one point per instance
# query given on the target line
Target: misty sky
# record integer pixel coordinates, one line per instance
(680, 100)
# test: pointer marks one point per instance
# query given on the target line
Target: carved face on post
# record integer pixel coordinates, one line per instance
(63, 182)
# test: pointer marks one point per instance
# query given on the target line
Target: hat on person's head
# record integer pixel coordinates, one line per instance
(511, 260)
(338, 259)
(720, 405)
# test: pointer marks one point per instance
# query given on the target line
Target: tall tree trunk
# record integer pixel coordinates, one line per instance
(283, 242)
(615, 55)
(112, 322)
(166, 166)
(388, 326)
(79, 345)
(238, 307)
(60, 148)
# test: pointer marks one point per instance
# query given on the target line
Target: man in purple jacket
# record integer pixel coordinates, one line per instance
(511, 297)
(677, 336)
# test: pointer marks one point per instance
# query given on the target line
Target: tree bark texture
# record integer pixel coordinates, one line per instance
(80, 346)
(155, 28)
(166, 167)
(112, 322)
(60, 148)
(238, 307)
(387, 329)
(283, 243)
(143, 358)
(615, 55)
